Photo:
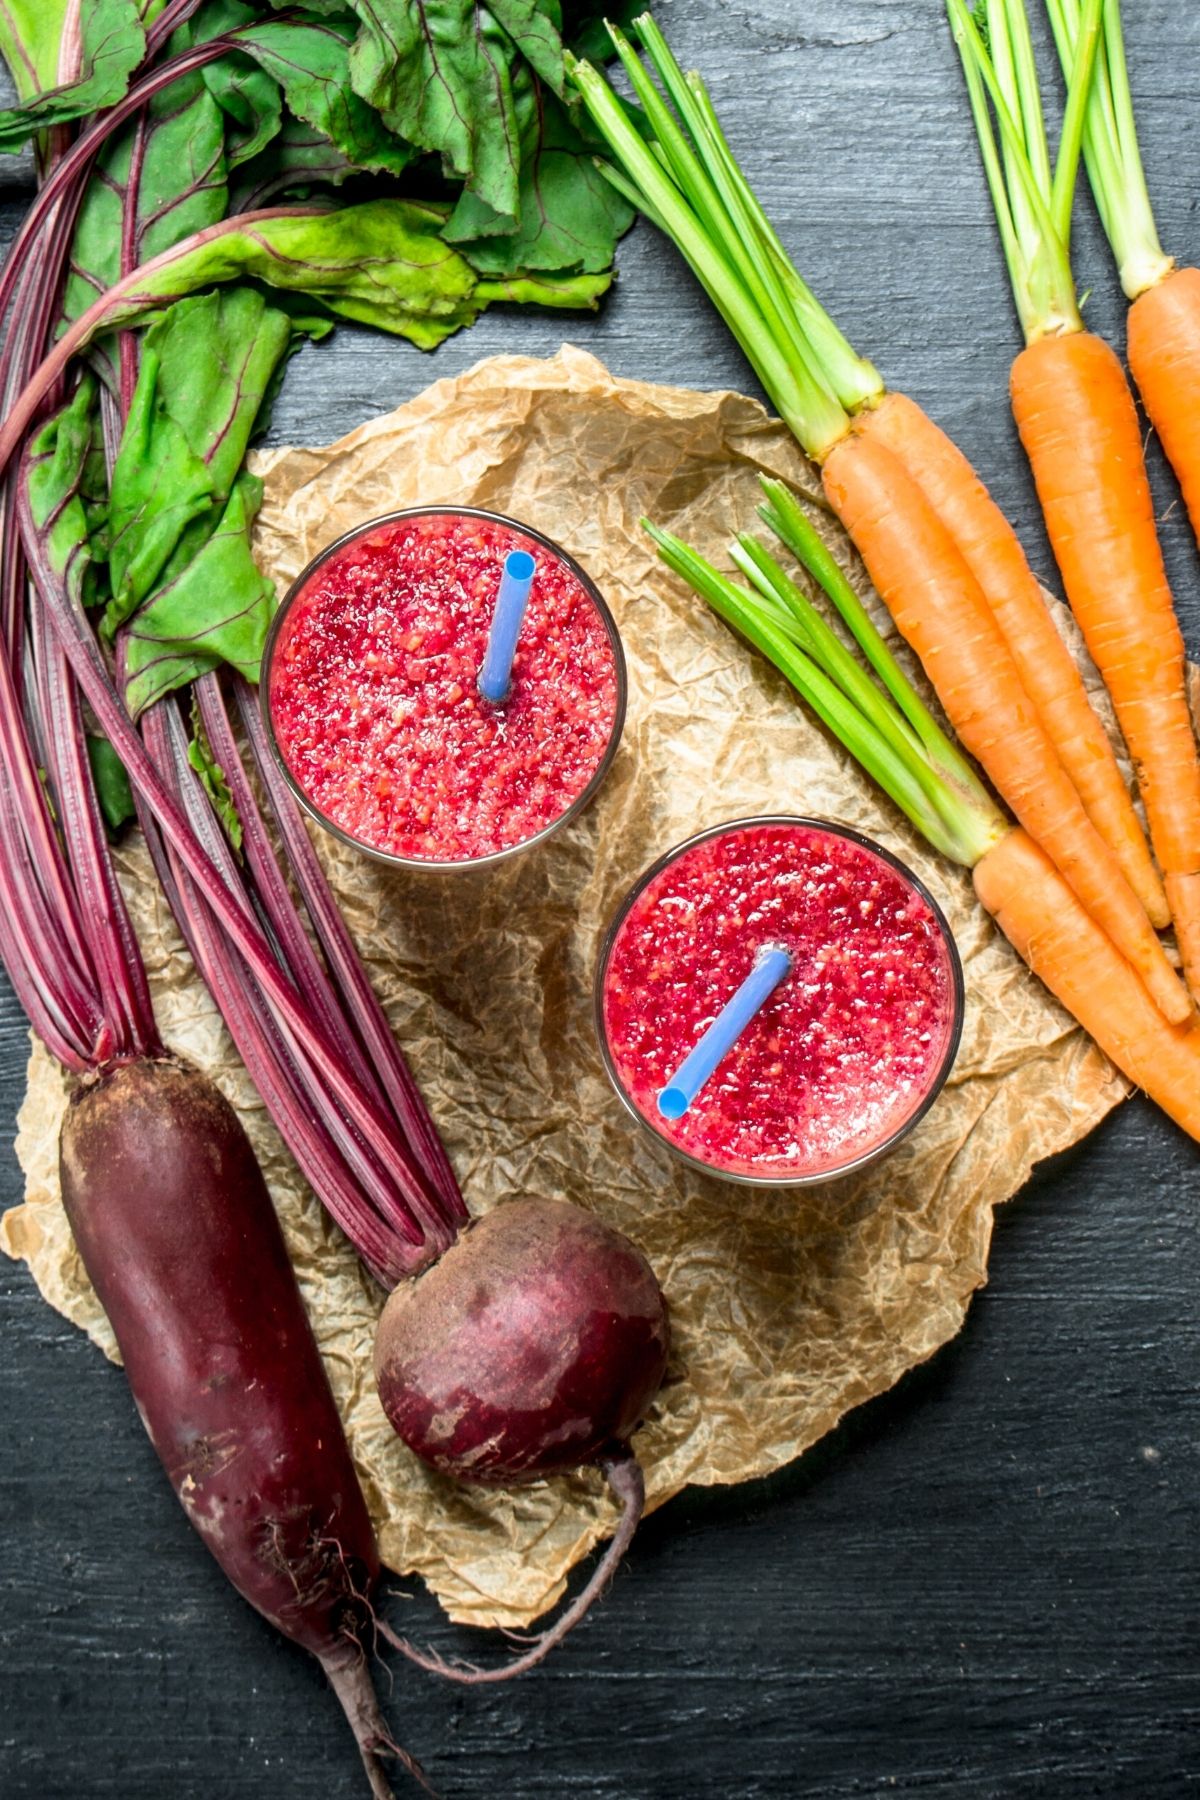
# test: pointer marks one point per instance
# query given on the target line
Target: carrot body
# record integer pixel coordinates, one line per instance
(1164, 356)
(1080, 429)
(991, 550)
(1043, 920)
(939, 610)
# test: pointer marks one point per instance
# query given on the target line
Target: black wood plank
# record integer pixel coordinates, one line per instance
(983, 1584)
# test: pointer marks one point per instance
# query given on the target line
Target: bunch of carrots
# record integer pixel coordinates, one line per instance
(1073, 885)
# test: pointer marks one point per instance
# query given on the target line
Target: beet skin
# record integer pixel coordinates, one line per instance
(532, 1346)
(176, 1229)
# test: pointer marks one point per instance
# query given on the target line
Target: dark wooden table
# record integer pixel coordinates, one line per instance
(983, 1584)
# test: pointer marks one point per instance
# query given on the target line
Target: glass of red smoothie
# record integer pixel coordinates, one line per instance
(371, 700)
(850, 1050)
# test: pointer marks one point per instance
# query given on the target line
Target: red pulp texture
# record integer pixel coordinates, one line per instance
(847, 1047)
(374, 700)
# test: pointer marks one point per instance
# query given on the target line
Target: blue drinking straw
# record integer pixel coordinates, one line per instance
(511, 602)
(769, 970)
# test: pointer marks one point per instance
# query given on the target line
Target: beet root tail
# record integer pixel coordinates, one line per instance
(351, 1682)
(624, 1475)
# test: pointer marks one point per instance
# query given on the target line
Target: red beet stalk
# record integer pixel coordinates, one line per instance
(177, 1232)
(168, 1206)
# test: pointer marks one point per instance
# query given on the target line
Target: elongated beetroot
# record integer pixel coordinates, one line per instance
(177, 1232)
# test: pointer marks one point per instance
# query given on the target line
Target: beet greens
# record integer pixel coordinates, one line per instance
(166, 548)
(167, 1204)
(126, 499)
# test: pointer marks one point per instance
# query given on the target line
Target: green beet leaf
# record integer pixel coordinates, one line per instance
(215, 610)
(67, 492)
(32, 33)
(383, 264)
(111, 782)
(569, 216)
(570, 293)
(295, 162)
(311, 61)
(440, 73)
(535, 27)
(208, 366)
(160, 486)
(307, 60)
(182, 190)
(104, 40)
(213, 780)
(249, 96)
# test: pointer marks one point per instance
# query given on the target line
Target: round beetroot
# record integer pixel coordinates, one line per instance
(535, 1344)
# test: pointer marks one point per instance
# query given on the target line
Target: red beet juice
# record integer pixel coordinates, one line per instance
(372, 696)
(849, 1050)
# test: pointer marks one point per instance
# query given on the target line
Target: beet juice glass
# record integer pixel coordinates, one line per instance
(371, 697)
(853, 1043)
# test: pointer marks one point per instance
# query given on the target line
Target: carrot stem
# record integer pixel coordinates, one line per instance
(814, 636)
(1080, 78)
(1024, 193)
(785, 517)
(1110, 146)
(677, 192)
(855, 380)
(852, 378)
(962, 826)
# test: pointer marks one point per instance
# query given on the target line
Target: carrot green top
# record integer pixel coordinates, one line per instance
(866, 701)
(1110, 147)
(1032, 198)
(673, 162)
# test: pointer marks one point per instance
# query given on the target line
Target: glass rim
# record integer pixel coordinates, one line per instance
(958, 984)
(458, 865)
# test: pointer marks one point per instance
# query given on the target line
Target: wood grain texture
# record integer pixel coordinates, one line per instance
(984, 1584)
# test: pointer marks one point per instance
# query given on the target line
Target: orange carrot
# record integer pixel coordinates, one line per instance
(993, 553)
(693, 190)
(940, 611)
(1015, 880)
(1164, 312)
(1080, 430)
(1164, 356)
(1072, 402)
(1061, 943)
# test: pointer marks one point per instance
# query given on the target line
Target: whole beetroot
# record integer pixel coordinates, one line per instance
(533, 1346)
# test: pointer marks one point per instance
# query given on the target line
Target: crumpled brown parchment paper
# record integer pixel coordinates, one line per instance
(787, 1308)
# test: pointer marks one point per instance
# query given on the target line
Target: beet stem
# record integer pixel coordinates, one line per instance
(176, 13)
(400, 1148)
(230, 906)
(124, 989)
(341, 954)
(624, 1474)
(78, 1030)
(274, 897)
(315, 1134)
(68, 947)
(127, 354)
